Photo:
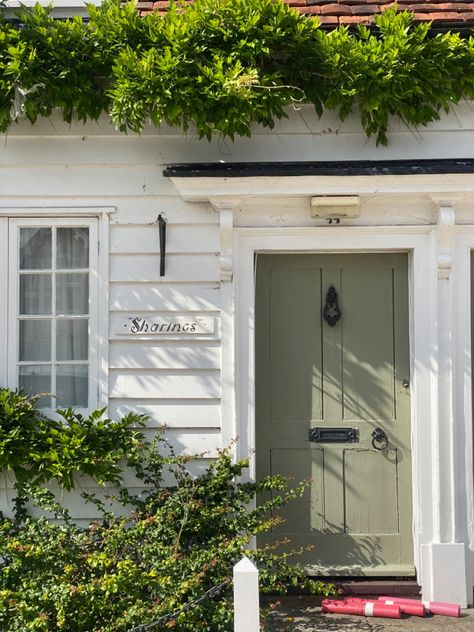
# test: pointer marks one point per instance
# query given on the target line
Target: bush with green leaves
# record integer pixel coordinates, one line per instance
(37, 449)
(166, 547)
(223, 65)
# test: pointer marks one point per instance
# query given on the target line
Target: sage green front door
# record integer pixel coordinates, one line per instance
(332, 357)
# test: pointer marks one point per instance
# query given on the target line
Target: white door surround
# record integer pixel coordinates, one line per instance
(440, 352)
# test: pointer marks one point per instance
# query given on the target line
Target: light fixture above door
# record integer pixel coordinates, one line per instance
(335, 206)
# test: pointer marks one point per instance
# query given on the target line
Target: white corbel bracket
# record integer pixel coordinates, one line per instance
(226, 207)
(446, 222)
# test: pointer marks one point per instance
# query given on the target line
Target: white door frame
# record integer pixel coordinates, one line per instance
(440, 352)
(427, 255)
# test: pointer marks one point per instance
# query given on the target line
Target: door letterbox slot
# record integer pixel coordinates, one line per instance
(333, 435)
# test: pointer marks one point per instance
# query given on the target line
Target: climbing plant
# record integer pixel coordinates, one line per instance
(159, 554)
(223, 65)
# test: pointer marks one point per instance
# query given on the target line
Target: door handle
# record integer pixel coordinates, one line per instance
(379, 439)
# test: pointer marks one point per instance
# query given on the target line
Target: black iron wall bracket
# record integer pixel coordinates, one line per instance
(162, 232)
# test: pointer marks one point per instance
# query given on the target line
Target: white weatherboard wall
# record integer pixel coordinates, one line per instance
(201, 386)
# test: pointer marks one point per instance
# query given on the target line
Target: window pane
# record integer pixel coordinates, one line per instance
(72, 385)
(35, 248)
(72, 339)
(34, 380)
(72, 247)
(72, 293)
(35, 294)
(35, 340)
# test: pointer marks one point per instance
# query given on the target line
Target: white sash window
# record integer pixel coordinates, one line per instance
(52, 309)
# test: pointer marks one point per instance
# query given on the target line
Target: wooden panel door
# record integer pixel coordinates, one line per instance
(356, 511)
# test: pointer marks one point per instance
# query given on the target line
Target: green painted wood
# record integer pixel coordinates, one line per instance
(357, 511)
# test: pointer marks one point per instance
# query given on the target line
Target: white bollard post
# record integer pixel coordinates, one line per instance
(246, 598)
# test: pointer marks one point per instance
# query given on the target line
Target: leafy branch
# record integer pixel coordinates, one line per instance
(223, 65)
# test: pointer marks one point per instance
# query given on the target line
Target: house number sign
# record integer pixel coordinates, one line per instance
(139, 326)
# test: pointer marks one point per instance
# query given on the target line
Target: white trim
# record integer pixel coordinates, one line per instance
(203, 189)
(226, 211)
(96, 313)
(421, 243)
(55, 211)
(103, 310)
(4, 303)
(463, 443)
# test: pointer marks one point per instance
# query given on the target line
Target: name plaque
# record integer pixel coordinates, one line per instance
(158, 326)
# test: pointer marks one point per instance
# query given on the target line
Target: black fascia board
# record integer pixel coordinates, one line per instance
(326, 168)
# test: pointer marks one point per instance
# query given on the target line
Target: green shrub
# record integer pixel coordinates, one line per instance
(168, 547)
(38, 449)
(122, 572)
(223, 65)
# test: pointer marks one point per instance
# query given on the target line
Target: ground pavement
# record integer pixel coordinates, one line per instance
(301, 614)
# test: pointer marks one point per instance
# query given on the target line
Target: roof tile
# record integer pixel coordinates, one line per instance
(461, 7)
(364, 9)
(329, 20)
(449, 16)
(310, 10)
(356, 19)
(422, 8)
(336, 9)
(444, 13)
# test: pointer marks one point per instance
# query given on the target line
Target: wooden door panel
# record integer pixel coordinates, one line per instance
(305, 513)
(295, 349)
(368, 354)
(357, 511)
(371, 503)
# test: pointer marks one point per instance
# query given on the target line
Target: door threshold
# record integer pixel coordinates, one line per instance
(356, 572)
(406, 587)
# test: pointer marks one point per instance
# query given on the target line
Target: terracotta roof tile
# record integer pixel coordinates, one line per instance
(356, 19)
(444, 14)
(422, 8)
(310, 10)
(336, 9)
(329, 20)
(364, 9)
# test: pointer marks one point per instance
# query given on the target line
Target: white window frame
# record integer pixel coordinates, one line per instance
(15, 224)
(49, 214)
(3, 300)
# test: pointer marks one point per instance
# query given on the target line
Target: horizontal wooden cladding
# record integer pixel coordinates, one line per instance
(180, 238)
(81, 511)
(154, 297)
(156, 355)
(131, 385)
(82, 181)
(144, 210)
(177, 413)
(302, 120)
(146, 268)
